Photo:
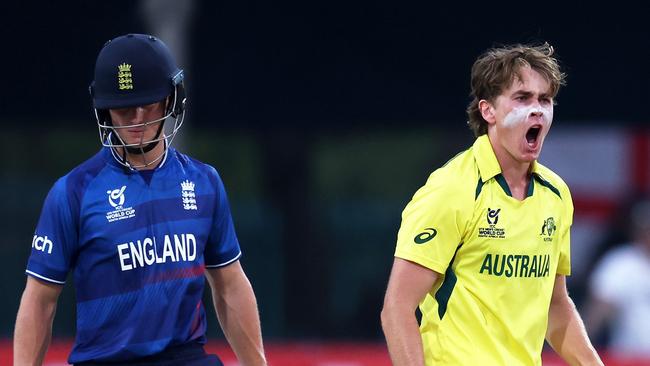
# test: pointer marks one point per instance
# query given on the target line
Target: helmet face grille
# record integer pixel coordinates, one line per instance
(171, 123)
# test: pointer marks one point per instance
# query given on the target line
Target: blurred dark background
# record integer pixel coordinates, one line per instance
(323, 118)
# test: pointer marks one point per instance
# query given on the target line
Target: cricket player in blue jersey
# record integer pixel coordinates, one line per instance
(140, 226)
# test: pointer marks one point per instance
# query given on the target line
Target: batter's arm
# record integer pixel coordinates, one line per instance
(33, 331)
(236, 307)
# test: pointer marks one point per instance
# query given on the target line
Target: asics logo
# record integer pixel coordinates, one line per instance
(423, 237)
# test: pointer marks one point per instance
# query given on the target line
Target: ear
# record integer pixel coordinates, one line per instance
(487, 111)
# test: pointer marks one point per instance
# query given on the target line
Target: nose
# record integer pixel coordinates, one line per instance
(139, 115)
(536, 109)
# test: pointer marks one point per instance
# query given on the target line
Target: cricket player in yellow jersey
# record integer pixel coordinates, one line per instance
(483, 248)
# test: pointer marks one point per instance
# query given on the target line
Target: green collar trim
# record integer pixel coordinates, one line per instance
(504, 185)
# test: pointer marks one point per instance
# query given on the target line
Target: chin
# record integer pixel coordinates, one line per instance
(529, 157)
(531, 154)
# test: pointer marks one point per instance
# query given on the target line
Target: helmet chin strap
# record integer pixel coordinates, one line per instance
(122, 158)
(116, 141)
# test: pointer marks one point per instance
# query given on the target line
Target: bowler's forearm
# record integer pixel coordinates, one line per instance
(567, 335)
(402, 336)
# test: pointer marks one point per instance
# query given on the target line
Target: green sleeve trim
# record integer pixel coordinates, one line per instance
(447, 288)
(479, 187)
(444, 292)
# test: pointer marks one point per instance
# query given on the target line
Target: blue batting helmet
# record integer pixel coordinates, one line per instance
(134, 70)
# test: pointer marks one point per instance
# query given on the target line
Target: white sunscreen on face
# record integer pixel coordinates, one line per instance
(520, 115)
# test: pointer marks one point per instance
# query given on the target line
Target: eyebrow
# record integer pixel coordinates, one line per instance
(527, 93)
(523, 93)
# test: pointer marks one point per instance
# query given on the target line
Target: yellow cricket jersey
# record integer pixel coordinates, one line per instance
(498, 257)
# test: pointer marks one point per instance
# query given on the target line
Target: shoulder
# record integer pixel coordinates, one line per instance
(553, 182)
(77, 179)
(68, 192)
(194, 167)
(452, 184)
(459, 174)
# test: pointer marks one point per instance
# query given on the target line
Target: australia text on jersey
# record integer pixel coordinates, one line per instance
(516, 265)
(143, 252)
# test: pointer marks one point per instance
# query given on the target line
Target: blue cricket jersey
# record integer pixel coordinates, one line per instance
(138, 244)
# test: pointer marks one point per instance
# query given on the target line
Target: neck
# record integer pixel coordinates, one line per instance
(517, 182)
(516, 173)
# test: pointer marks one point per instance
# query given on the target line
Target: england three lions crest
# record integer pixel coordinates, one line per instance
(188, 196)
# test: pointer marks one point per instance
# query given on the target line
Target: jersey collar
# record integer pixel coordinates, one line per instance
(486, 160)
(488, 165)
(111, 158)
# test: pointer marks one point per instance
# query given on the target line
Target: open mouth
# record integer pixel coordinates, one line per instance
(533, 134)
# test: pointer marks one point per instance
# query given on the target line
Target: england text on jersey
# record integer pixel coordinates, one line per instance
(143, 252)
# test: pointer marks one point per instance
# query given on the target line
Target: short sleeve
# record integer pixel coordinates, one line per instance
(222, 247)
(433, 225)
(564, 261)
(55, 238)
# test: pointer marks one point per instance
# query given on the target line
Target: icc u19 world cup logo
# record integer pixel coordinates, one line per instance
(116, 197)
(493, 216)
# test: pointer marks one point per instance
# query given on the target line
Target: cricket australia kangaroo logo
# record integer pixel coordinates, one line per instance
(548, 229)
(188, 195)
